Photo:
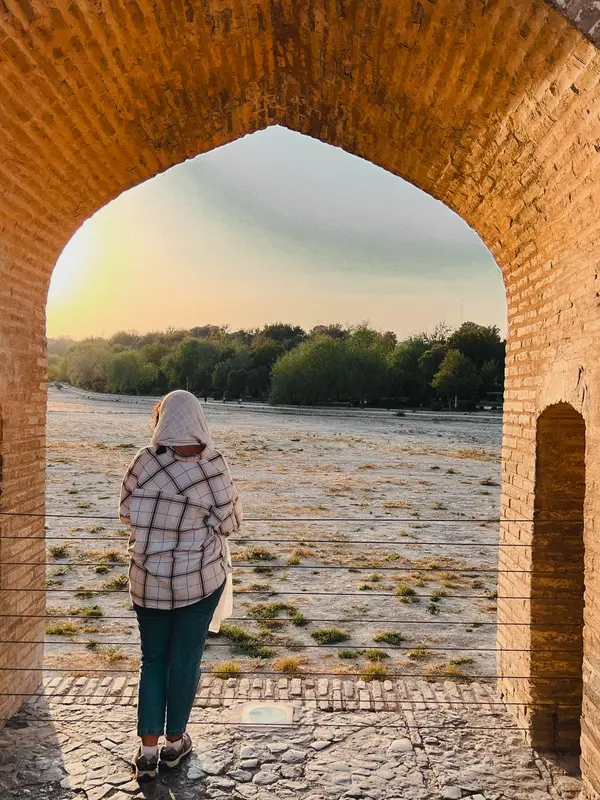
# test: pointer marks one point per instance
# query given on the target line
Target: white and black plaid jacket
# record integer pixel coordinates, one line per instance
(179, 509)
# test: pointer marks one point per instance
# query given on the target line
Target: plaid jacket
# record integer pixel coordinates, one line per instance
(179, 509)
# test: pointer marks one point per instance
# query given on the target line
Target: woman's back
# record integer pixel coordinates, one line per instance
(180, 509)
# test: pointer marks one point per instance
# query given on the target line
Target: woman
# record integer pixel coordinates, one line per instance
(180, 501)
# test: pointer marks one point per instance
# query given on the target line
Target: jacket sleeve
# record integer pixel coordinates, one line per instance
(225, 516)
(128, 486)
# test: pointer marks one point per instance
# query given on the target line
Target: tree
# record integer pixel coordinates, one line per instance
(429, 364)
(55, 368)
(363, 376)
(128, 339)
(236, 382)
(308, 374)
(322, 370)
(480, 343)
(266, 353)
(154, 352)
(335, 331)
(219, 377)
(366, 340)
(128, 373)
(491, 376)
(259, 382)
(456, 378)
(58, 347)
(86, 364)
(191, 365)
(405, 378)
(288, 336)
(331, 364)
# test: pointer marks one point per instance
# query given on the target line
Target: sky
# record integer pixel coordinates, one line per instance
(273, 227)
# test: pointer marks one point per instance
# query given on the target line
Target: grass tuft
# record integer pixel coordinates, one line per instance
(269, 611)
(245, 643)
(117, 584)
(59, 550)
(393, 638)
(346, 653)
(83, 593)
(289, 665)
(226, 669)
(87, 611)
(61, 629)
(406, 594)
(419, 653)
(330, 635)
(374, 672)
(373, 654)
(255, 553)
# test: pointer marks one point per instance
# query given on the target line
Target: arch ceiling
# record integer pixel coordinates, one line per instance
(459, 98)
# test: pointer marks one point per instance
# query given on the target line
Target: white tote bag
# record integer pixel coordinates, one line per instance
(225, 608)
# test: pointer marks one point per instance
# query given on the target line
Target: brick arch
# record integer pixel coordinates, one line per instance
(490, 106)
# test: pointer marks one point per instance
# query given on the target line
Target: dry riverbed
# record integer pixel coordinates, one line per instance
(406, 586)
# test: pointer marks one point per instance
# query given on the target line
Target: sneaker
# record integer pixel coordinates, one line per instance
(171, 756)
(145, 768)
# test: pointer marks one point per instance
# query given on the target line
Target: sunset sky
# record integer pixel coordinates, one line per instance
(273, 227)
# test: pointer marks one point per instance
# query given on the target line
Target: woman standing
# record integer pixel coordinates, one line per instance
(179, 499)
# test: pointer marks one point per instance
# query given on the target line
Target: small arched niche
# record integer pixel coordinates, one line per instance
(557, 580)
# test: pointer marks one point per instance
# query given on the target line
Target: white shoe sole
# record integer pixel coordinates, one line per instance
(174, 762)
(142, 775)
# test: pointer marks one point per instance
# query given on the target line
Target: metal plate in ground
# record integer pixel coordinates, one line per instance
(266, 715)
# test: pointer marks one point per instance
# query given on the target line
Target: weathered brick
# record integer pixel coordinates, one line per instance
(494, 113)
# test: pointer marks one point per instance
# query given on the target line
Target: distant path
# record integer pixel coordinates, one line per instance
(254, 406)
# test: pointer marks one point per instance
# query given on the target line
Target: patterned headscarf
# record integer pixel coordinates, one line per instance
(181, 421)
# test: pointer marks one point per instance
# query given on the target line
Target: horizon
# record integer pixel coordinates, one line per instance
(231, 330)
(273, 226)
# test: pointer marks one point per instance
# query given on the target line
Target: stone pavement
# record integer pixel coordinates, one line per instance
(385, 741)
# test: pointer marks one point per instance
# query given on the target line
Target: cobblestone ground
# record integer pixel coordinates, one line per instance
(402, 739)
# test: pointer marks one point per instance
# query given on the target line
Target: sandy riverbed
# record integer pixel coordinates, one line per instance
(400, 480)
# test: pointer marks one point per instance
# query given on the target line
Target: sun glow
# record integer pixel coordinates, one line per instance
(274, 226)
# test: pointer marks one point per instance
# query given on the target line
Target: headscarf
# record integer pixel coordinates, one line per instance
(181, 422)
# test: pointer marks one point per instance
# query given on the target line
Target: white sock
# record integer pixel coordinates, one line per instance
(175, 745)
(151, 751)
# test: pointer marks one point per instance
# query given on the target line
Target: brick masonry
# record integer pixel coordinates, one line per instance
(492, 107)
(326, 694)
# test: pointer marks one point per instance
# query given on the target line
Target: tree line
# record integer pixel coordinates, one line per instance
(284, 364)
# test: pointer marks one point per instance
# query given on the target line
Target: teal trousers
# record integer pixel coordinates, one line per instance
(172, 646)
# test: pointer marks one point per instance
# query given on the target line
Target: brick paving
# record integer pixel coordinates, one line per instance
(353, 739)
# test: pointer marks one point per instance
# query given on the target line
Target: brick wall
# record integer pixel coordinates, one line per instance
(491, 107)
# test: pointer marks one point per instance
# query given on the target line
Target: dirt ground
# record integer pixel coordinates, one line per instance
(391, 571)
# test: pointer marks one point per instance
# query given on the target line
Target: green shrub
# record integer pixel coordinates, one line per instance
(406, 594)
(393, 638)
(373, 654)
(117, 584)
(348, 654)
(61, 629)
(245, 643)
(330, 636)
